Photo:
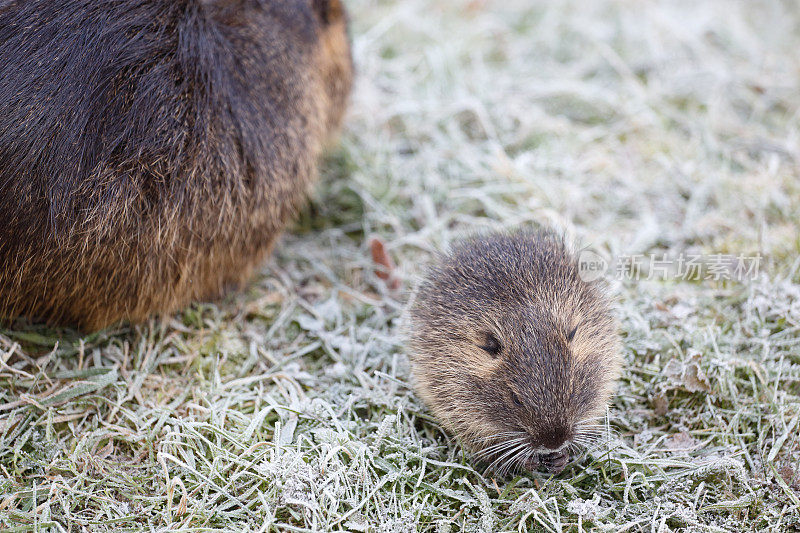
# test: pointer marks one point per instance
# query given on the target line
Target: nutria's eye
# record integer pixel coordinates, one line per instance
(515, 399)
(491, 345)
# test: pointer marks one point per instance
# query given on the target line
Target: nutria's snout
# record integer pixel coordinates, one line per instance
(555, 456)
(528, 452)
(504, 458)
(553, 462)
(513, 352)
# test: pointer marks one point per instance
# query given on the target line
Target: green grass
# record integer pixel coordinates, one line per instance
(634, 127)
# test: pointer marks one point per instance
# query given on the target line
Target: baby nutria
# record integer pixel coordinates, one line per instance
(513, 352)
(152, 150)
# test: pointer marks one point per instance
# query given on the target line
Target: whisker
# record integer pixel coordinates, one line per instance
(500, 439)
(497, 452)
(506, 466)
(497, 448)
(588, 427)
(511, 461)
(499, 460)
(590, 419)
(498, 436)
(511, 452)
(528, 456)
(523, 457)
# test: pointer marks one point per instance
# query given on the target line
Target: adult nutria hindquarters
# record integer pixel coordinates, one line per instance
(152, 150)
(512, 350)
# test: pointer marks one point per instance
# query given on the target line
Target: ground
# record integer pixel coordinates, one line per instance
(634, 127)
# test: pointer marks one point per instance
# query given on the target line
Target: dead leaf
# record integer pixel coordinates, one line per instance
(382, 258)
(687, 375)
(680, 441)
(660, 404)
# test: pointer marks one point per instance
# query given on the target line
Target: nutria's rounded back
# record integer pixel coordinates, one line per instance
(512, 350)
(152, 150)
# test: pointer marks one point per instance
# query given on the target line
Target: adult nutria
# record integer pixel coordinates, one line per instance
(152, 150)
(513, 352)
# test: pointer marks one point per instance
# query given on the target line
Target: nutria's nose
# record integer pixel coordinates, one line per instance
(554, 438)
(554, 462)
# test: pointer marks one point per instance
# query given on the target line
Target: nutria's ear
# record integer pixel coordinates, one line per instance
(571, 334)
(329, 11)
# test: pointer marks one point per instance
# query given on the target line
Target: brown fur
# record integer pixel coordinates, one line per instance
(152, 150)
(489, 337)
